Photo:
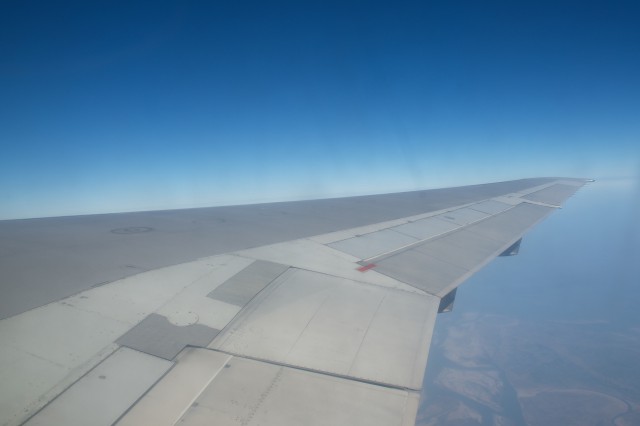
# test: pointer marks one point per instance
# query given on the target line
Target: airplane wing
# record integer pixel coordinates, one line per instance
(310, 312)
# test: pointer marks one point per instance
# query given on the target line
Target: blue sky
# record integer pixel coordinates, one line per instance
(115, 106)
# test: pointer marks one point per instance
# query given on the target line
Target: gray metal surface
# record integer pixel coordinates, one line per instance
(443, 262)
(490, 207)
(242, 287)
(106, 392)
(555, 194)
(513, 249)
(338, 326)
(420, 271)
(172, 396)
(512, 223)
(447, 301)
(374, 243)
(251, 393)
(426, 228)
(462, 216)
(47, 259)
(156, 336)
(462, 248)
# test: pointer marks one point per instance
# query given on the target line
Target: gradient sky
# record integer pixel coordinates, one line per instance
(122, 106)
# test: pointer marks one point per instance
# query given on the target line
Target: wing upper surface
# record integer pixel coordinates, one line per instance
(332, 328)
(48, 259)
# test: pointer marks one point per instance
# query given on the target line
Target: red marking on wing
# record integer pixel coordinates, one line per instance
(365, 268)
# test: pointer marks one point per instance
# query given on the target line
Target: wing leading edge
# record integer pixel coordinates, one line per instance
(332, 328)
